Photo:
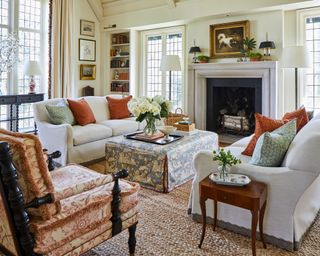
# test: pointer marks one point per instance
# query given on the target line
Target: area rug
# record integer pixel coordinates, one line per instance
(164, 228)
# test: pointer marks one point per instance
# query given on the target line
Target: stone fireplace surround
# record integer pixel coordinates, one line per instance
(197, 85)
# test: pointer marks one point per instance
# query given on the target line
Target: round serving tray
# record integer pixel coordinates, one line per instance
(232, 179)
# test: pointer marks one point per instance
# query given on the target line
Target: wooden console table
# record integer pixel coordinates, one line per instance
(252, 197)
(17, 100)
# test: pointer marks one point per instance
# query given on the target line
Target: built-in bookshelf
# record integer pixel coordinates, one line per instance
(120, 62)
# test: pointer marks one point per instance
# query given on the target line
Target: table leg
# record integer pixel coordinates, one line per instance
(254, 222)
(204, 218)
(261, 216)
(215, 214)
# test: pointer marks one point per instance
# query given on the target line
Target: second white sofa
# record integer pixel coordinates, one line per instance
(80, 144)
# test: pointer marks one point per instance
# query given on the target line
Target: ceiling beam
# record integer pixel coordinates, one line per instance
(171, 3)
(97, 8)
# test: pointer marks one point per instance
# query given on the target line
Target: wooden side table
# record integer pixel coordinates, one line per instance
(252, 197)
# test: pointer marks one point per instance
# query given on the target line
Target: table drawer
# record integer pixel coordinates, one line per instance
(30, 98)
(225, 197)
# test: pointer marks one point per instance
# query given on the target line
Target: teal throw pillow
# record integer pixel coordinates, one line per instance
(60, 114)
(271, 147)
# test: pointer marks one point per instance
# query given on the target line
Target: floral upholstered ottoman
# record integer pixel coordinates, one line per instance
(158, 167)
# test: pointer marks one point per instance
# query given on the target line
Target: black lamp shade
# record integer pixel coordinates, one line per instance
(267, 44)
(194, 49)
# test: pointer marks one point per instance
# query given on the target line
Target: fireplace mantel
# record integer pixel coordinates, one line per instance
(198, 74)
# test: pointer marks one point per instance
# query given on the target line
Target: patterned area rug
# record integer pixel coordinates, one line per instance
(164, 228)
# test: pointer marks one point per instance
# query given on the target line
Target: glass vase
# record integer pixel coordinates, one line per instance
(223, 171)
(150, 127)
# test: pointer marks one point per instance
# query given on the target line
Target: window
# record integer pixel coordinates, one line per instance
(28, 20)
(309, 34)
(157, 43)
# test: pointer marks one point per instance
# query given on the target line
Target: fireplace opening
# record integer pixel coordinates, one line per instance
(231, 104)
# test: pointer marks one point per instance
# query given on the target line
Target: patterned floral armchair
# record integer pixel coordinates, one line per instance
(64, 212)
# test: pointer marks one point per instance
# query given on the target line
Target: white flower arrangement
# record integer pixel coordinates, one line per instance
(157, 107)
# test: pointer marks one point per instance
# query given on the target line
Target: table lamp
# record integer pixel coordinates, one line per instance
(194, 49)
(170, 63)
(31, 69)
(267, 46)
(296, 57)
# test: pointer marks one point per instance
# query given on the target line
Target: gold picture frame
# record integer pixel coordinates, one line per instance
(226, 39)
(87, 72)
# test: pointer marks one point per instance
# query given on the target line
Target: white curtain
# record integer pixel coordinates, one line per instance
(62, 53)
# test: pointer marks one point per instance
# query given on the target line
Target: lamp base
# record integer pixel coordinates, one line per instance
(32, 86)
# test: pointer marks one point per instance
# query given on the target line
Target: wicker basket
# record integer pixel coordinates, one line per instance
(175, 117)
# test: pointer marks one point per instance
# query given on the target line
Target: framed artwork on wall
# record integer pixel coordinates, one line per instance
(226, 40)
(87, 50)
(87, 28)
(87, 72)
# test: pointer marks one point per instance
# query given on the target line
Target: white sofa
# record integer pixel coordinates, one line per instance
(80, 144)
(293, 190)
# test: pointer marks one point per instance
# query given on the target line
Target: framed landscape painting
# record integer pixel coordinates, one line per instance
(226, 40)
(86, 28)
(87, 72)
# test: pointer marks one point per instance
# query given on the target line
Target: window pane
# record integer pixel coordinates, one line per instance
(154, 54)
(311, 90)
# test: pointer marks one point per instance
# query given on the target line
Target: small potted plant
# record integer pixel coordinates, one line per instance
(203, 59)
(225, 161)
(255, 56)
(248, 45)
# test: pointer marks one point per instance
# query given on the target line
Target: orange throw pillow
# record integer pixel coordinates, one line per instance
(118, 108)
(301, 116)
(263, 124)
(81, 111)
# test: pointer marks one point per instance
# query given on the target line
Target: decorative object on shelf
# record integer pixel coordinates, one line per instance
(255, 56)
(87, 72)
(225, 161)
(87, 28)
(31, 69)
(150, 110)
(194, 49)
(87, 50)
(296, 57)
(170, 63)
(116, 75)
(9, 46)
(267, 46)
(203, 59)
(88, 91)
(226, 40)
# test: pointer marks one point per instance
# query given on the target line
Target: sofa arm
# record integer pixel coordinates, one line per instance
(56, 137)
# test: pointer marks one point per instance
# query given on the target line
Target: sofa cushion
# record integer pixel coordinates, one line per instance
(81, 111)
(118, 108)
(99, 107)
(90, 132)
(300, 115)
(60, 114)
(263, 124)
(271, 147)
(303, 152)
(121, 126)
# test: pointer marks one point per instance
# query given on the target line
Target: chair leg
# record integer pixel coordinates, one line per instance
(132, 239)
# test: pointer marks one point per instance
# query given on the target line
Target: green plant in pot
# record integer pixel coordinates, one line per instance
(248, 45)
(203, 58)
(225, 161)
(255, 56)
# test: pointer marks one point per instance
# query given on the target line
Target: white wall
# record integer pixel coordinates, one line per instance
(82, 10)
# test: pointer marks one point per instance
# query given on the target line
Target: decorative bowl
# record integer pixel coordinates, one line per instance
(167, 129)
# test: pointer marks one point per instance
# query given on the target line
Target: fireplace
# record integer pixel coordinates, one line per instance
(231, 104)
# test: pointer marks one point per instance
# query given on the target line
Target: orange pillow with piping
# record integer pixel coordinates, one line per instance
(118, 108)
(300, 115)
(81, 111)
(263, 124)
